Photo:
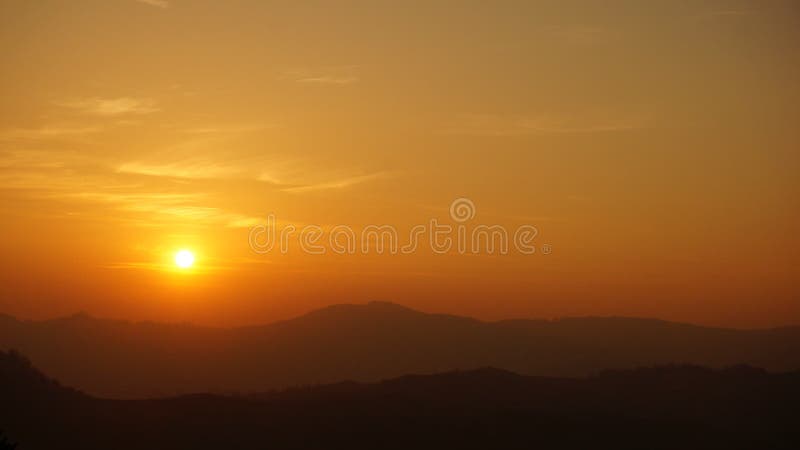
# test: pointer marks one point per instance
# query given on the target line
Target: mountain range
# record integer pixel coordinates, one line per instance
(656, 408)
(367, 343)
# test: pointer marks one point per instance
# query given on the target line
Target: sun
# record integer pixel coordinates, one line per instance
(184, 259)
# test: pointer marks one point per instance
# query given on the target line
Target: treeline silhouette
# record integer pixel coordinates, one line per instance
(667, 407)
(368, 343)
(5, 444)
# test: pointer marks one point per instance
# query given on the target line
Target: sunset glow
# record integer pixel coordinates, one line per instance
(373, 224)
(184, 259)
(653, 147)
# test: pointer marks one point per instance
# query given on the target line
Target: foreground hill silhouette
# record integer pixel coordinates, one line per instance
(667, 407)
(368, 343)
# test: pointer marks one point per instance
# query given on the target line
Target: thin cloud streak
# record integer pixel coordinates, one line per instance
(335, 75)
(338, 184)
(194, 170)
(328, 80)
(47, 132)
(177, 206)
(111, 106)
(236, 129)
(490, 125)
(65, 178)
(156, 3)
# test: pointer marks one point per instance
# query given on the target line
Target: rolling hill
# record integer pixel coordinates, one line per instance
(368, 343)
(658, 408)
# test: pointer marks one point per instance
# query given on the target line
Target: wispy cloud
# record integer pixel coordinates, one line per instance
(71, 178)
(182, 169)
(169, 266)
(161, 208)
(47, 132)
(25, 160)
(329, 79)
(111, 106)
(157, 3)
(493, 125)
(337, 184)
(286, 172)
(143, 201)
(335, 75)
(230, 129)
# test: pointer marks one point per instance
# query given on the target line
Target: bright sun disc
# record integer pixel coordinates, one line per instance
(184, 259)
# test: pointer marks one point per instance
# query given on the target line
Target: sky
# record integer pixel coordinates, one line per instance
(652, 145)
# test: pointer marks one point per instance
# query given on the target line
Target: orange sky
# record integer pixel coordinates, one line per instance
(654, 145)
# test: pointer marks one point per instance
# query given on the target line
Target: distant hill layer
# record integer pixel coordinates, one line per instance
(656, 408)
(368, 343)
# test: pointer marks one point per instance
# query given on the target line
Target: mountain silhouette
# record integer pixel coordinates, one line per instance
(369, 342)
(657, 408)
